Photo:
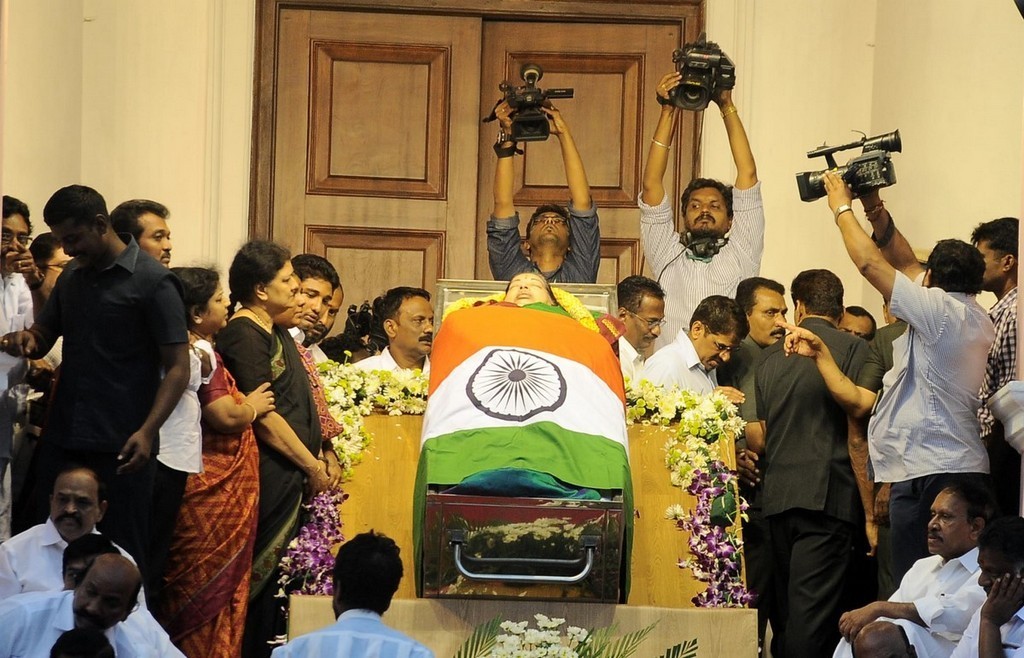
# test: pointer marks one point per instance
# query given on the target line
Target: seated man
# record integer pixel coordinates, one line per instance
(997, 627)
(563, 244)
(937, 597)
(105, 598)
(716, 329)
(642, 310)
(408, 320)
(31, 560)
(367, 571)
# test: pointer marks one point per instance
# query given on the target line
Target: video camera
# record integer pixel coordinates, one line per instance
(871, 170)
(529, 123)
(705, 70)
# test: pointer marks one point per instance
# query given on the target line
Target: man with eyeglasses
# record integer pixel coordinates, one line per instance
(809, 463)
(716, 329)
(642, 311)
(19, 299)
(563, 244)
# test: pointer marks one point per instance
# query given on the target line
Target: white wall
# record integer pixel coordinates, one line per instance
(153, 98)
(144, 99)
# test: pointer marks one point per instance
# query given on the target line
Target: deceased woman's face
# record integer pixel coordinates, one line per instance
(528, 288)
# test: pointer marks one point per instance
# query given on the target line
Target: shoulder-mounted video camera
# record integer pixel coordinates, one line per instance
(705, 70)
(529, 123)
(871, 170)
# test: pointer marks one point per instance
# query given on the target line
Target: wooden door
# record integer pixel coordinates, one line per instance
(376, 132)
(368, 145)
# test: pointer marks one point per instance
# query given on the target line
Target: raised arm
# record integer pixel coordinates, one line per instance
(504, 170)
(742, 157)
(854, 400)
(661, 143)
(864, 253)
(575, 175)
(893, 245)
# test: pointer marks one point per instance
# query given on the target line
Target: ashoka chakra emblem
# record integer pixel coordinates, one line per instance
(516, 385)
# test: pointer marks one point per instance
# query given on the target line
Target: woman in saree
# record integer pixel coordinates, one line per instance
(257, 352)
(206, 591)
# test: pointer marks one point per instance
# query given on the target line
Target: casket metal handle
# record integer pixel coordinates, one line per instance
(588, 542)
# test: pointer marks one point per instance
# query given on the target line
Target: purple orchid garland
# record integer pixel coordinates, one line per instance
(309, 560)
(715, 556)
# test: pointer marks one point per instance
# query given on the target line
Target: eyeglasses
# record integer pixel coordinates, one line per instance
(550, 218)
(722, 347)
(651, 324)
(6, 238)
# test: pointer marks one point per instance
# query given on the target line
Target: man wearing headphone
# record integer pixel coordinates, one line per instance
(723, 227)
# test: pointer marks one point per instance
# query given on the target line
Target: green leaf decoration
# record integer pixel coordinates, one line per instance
(481, 640)
(602, 644)
(685, 649)
(724, 508)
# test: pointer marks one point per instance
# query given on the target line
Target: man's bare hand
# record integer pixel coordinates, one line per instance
(851, 623)
(555, 119)
(135, 453)
(18, 260)
(800, 341)
(19, 343)
(731, 394)
(667, 83)
(723, 98)
(839, 193)
(1004, 600)
(746, 467)
(503, 113)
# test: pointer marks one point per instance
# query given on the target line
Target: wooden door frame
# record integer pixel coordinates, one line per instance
(268, 13)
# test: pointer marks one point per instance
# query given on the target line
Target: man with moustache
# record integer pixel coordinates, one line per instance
(146, 221)
(408, 321)
(723, 226)
(642, 311)
(103, 601)
(764, 302)
(939, 594)
(716, 329)
(31, 561)
(997, 627)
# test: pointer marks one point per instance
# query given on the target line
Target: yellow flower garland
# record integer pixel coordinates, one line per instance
(574, 307)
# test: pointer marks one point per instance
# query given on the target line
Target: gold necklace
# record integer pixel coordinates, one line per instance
(259, 320)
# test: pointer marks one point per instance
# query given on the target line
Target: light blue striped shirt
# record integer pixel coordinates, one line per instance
(926, 420)
(356, 634)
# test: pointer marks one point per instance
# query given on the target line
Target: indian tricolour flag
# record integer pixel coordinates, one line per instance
(525, 388)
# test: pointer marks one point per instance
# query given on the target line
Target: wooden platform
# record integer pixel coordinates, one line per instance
(444, 625)
(381, 499)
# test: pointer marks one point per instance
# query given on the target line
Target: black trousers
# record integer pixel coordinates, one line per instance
(812, 554)
(167, 494)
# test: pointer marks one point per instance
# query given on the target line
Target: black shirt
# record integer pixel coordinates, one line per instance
(807, 461)
(113, 322)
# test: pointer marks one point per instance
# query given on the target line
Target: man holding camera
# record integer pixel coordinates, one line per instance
(563, 244)
(700, 261)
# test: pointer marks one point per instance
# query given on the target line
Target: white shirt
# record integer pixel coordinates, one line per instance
(33, 622)
(32, 561)
(181, 436)
(945, 595)
(926, 420)
(687, 281)
(384, 361)
(356, 634)
(677, 364)
(319, 356)
(1012, 633)
(630, 361)
(15, 315)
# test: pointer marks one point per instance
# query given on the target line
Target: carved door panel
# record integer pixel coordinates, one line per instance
(613, 69)
(376, 145)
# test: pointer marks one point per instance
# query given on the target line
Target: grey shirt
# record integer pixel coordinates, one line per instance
(506, 257)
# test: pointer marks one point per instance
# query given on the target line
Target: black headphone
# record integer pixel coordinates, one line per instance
(702, 247)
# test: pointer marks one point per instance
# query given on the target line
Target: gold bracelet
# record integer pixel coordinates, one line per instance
(729, 110)
(664, 146)
(255, 415)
